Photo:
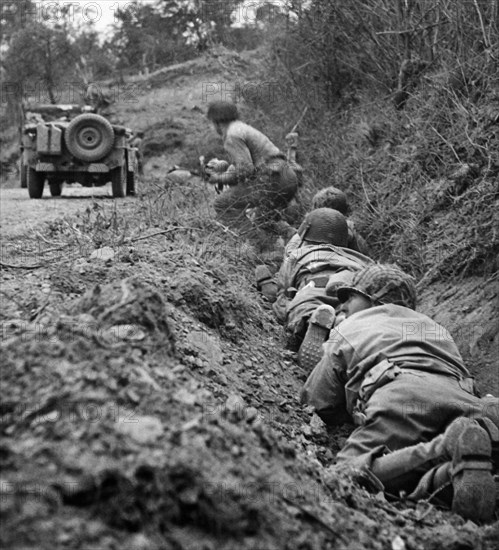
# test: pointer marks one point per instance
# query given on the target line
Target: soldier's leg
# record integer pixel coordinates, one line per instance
(457, 467)
(275, 186)
(413, 408)
(400, 419)
(283, 184)
(230, 205)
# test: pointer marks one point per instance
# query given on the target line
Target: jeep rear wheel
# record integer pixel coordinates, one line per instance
(36, 182)
(119, 181)
(89, 137)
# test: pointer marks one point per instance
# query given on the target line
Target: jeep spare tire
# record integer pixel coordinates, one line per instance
(89, 137)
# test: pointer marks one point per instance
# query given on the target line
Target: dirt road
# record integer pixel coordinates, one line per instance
(19, 214)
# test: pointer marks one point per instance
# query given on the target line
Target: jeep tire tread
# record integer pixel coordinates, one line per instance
(36, 182)
(89, 137)
(119, 181)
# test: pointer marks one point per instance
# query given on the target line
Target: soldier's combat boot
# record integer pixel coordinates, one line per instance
(462, 477)
(265, 283)
(320, 323)
(474, 489)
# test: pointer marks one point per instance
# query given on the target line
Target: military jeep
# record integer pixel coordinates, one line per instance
(72, 144)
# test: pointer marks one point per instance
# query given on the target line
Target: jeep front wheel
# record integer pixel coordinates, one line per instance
(36, 182)
(118, 181)
(89, 137)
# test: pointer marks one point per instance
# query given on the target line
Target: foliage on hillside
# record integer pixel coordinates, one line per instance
(402, 112)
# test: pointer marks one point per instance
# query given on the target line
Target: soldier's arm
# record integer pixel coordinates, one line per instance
(283, 280)
(325, 390)
(240, 156)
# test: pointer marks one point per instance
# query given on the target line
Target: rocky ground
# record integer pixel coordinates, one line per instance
(148, 401)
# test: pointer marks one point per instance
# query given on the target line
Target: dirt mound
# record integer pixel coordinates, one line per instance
(128, 308)
(175, 496)
(212, 300)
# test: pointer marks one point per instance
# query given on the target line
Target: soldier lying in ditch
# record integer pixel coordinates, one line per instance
(422, 429)
(305, 286)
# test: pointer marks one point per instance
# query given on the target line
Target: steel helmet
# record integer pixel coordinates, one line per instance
(324, 225)
(382, 284)
(331, 197)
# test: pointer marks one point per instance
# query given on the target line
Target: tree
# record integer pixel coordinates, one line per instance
(169, 31)
(38, 60)
(94, 61)
(146, 35)
(202, 21)
(15, 15)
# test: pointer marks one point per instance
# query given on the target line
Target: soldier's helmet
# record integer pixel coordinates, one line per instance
(331, 197)
(324, 226)
(222, 111)
(382, 284)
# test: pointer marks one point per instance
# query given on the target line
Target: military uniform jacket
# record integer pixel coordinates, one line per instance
(249, 149)
(362, 341)
(316, 258)
(302, 263)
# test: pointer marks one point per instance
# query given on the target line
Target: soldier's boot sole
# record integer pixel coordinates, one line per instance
(474, 488)
(320, 324)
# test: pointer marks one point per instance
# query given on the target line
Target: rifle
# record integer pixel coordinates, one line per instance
(292, 141)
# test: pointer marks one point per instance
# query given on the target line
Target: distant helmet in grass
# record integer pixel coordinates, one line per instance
(217, 165)
(222, 111)
(382, 284)
(331, 197)
(324, 225)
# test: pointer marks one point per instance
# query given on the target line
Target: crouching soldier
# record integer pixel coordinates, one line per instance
(259, 174)
(421, 427)
(307, 280)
